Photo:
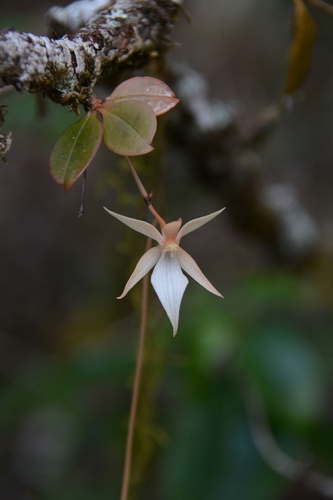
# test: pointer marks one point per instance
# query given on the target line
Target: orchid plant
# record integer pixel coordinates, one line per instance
(127, 128)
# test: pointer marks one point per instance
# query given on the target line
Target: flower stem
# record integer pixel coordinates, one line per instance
(144, 194)
(136, 387)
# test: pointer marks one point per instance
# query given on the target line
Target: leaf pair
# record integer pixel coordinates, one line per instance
(129, 125)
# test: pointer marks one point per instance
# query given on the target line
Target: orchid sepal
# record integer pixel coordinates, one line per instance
(194, 224)
(139, 225)
(191, 267)
(145, 264)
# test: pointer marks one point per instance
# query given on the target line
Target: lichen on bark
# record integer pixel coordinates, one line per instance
(128, 33)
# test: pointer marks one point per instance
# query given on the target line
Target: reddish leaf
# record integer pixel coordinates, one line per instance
(129, 127)
(74, 150)
(150, 90)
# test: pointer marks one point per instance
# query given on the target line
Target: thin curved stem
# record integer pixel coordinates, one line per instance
(144, 194)
(272, 453)
(136, 387)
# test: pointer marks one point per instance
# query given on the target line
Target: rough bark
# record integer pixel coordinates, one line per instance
(128, 33)
(69, 19)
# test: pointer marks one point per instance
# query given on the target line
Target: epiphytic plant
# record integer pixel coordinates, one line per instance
(128, 128)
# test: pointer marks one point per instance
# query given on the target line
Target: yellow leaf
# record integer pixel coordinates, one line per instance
(300, 49)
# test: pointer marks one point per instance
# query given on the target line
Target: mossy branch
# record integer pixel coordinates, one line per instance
(128, 33)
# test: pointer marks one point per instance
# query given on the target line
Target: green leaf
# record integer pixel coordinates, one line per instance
(129, 127)
(299, 57)
(150, 90)
(75, 149)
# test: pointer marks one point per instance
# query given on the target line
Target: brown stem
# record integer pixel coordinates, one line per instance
(144, 194)
(136, 387)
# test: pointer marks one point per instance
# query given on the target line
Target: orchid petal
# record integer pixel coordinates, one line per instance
(145, 264)
(191, 267)
(171, 229)
(194, 224)
(140, 226)
(169, 284)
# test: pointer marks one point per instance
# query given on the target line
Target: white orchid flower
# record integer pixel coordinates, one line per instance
(169, 259)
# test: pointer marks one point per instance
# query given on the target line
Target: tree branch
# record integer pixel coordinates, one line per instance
(126, 34)
(72, 17)
(270, 451)
(226, 158)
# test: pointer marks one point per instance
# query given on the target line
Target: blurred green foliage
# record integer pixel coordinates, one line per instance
(195, 387)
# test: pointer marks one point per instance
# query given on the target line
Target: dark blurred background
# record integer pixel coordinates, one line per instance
(246, 386)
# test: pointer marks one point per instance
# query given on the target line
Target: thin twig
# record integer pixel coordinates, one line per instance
(266, 443)
(136, 386)
(274, 456)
